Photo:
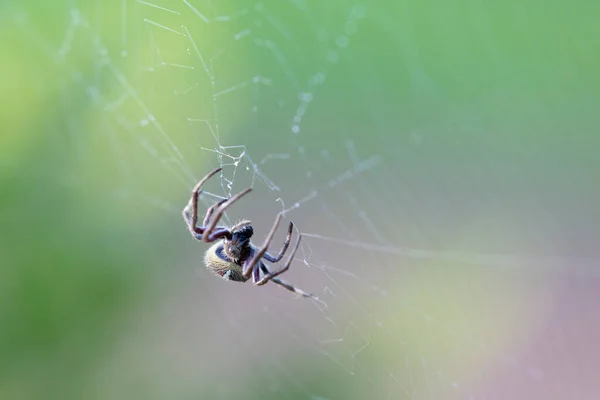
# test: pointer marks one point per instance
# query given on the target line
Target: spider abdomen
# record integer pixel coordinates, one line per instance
(218, 263)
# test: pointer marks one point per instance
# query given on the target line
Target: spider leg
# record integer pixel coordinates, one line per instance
(197, 230)
(256, 272)
(221, 210)
(191, 222)
(281, 270)
(286, 285)
(249, 265)
(252, 261)
(218, 233)
(186, 216)
(211, 210)
(284, 248)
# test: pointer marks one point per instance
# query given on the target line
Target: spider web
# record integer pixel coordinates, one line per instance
(453, 256)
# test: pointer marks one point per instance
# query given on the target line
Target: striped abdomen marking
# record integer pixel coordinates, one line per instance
(216, 261)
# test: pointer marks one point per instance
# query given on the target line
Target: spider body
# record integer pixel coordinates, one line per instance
(239, 248)
(233, 257)
(218, 262)
(225, 258)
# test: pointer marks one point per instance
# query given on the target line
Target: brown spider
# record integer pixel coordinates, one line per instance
(233, 257)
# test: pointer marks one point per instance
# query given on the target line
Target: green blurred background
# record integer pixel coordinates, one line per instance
(444, 157)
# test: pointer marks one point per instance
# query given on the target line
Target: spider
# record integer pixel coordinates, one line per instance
(233, 257)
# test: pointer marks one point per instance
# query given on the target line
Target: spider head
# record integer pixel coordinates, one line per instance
(239, 244)
(241, 236)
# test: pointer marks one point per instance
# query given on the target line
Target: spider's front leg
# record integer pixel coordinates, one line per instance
(198, 231)
(193, 204)
(211, 210)
(194, 230)
(219, 212)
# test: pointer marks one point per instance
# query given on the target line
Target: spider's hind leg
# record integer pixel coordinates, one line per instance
(286, 244)
(289, 287)
(281, 270)
(256, 272)
(250, 263)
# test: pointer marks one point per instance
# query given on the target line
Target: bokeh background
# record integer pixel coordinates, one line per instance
(441, 159)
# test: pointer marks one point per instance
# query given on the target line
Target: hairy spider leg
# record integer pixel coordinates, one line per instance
(208, 230)
(286, 285)
(284, 248)
(191, 222)
(211, 210)
(255, 258)
(256, 272)
(196, 232)
(281, 270)
(218, 231)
